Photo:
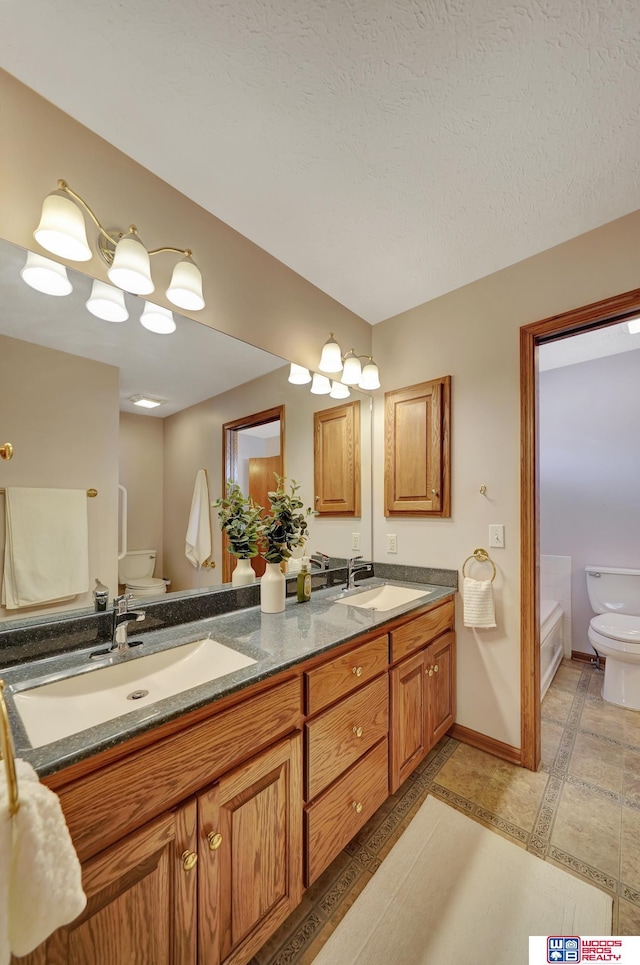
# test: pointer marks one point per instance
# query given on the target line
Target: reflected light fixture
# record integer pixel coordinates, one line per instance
(298, 375)
(107, 302)
(633, 324)
(45, 275)
(353, 372)
(62, 231)
(144, 402)
(320, 384)
(339, 391)
(157, 319)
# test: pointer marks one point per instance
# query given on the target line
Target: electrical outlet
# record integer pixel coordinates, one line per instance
(355, 541)
(496, 535)
(392, 543)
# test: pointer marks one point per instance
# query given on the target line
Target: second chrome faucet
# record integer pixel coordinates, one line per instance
(122, 617)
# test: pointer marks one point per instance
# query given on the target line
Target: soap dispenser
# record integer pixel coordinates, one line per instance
(100, 597)
(304, 581)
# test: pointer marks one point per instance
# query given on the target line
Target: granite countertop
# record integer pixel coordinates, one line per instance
(275, 641)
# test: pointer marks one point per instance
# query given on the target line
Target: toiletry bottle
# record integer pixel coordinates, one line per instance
(100, 597)
(304, 581)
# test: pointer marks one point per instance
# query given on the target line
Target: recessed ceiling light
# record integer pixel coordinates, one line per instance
(145, 402)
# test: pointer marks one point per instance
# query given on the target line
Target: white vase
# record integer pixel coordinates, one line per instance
(273, 588)
(243, 573)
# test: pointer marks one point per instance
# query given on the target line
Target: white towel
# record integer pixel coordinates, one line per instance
(46, 553)
(198, 539)
(479, 610)
(44, 877)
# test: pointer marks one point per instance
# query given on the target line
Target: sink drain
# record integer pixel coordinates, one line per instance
(137, 694)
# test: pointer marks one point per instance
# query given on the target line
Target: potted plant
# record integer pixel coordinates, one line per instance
(239, 518)
(282, 528)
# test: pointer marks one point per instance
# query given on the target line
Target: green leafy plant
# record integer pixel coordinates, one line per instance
(239, 517)
(284, 527)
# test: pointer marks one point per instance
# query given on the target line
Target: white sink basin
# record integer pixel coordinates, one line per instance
(67, 706)
(384, 597)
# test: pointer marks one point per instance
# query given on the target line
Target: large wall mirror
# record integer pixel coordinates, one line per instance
(67, 381)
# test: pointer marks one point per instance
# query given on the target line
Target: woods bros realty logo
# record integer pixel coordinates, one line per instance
(574, 949)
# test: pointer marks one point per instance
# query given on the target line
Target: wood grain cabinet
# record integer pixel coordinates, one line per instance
(336, 460)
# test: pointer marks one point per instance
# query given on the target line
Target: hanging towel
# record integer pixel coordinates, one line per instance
(479, 610)
(198, 539)
(46, 552)
(42, 869)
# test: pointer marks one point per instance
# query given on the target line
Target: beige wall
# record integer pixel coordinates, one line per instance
(141, 467)
(472, 335)
(249, 293)
(63, 423)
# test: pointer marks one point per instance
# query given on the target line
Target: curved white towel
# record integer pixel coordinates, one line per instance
(198, 539)
(479, 610)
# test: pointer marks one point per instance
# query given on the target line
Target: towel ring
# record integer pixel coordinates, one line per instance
(6, 747)
(481, 556)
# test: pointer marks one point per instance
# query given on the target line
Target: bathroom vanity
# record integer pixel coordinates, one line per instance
(199, 832)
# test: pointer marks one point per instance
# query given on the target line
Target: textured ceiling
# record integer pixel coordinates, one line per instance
(387, 150)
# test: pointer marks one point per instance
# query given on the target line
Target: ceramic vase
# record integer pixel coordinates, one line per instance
(272, 589)
(243, 573)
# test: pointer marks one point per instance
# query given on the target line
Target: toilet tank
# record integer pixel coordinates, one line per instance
(613, 589)
(136, 565)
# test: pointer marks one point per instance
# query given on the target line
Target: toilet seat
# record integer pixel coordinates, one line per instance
(149, 586)
(617, 626)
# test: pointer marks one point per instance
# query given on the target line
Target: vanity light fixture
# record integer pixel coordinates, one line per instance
(320, 384)
(339, 391)
(298, 375)
(333, 361)
(633, 324)
(144, 402)
(107, 302)
(45, 275)
(62, 231)
(157, 319)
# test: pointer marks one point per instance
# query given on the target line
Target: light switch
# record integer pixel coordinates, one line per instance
(355, 541)
(496, 535)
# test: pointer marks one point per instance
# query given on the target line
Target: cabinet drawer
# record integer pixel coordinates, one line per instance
(422, 630)
(339, 677)
(102, 807)
(342, 734)
(338, 814)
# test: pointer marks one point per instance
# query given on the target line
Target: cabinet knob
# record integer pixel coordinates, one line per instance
(357, 806)
(357, 731)
(429, 672)
(189, 860)
(357, 671)
(434, 492)
(215, 840)
(435, 669)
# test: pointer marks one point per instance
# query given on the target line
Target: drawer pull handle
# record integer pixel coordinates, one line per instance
(357, 671)
(215, 840)
(189, 860)
(357, 731)
(357, 806)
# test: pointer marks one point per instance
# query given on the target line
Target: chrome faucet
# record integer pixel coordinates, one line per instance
(320, 560)
(122, 616)
(354, 567)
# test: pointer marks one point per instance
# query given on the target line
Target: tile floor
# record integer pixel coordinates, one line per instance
(580, 811)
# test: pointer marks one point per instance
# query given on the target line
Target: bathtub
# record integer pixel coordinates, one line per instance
(551, 648)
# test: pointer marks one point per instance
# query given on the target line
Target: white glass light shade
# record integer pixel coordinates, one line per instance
(107, 302)
(45, 275)
(352, 372)
(185, 289)
(634, 325)
(331, 358)
(144, 402)
(298, 375)
(62, 229)
(131, 269)
(339, 391)
(157, 319)
(320, 385)
(370, 377)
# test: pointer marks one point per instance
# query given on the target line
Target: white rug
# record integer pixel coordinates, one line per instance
(452, 891)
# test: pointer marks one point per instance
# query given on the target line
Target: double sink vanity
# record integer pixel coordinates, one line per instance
(209, 775)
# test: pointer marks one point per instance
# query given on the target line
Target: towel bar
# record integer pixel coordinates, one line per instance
(90, 492)
(6, 749)
(481, 556)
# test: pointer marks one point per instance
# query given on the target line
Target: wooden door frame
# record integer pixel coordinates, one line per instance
(230, 458)
(596, 315)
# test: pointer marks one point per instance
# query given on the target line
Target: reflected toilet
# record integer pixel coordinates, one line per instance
(135, 573)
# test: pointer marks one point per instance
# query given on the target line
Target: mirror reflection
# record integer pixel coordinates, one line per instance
(69, 383)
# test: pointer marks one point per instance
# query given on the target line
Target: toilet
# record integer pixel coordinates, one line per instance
(135, 572)
(614, 632)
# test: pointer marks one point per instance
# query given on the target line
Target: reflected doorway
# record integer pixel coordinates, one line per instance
(253, 457)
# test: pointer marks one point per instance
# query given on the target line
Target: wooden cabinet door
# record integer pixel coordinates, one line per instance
(141, 902)
(336, 448)
(408, 744)
(250, 872)
(440, 664)
(418, 450)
